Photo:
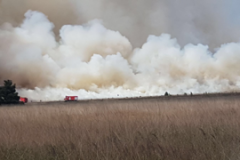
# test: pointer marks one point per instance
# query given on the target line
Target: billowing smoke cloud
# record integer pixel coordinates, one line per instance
(94, 62)
(209, 22)
(60, 12)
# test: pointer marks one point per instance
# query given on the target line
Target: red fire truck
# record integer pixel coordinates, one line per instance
(23, 99)
(71, 98)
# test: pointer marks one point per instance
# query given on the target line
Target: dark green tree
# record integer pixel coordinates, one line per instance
(166, 94)
(8, 94)
(1, 95)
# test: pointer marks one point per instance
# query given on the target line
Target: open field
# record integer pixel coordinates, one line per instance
(170, 128)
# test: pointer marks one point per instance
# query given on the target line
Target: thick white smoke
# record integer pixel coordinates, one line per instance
(91, 61)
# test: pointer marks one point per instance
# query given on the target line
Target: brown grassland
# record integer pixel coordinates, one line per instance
(190, 128)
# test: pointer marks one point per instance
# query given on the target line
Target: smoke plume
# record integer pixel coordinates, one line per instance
(210, 22)
(91, 61)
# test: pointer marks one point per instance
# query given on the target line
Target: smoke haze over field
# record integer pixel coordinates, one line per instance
(210, 22)
(48, 57)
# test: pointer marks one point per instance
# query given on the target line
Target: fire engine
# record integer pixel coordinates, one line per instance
(71, 98)
(23, 100)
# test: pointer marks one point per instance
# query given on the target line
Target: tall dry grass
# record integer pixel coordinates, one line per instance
(152, 129)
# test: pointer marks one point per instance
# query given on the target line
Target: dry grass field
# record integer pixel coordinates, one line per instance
(190, 128)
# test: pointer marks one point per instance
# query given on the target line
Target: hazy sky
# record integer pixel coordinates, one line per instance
(211, 22)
